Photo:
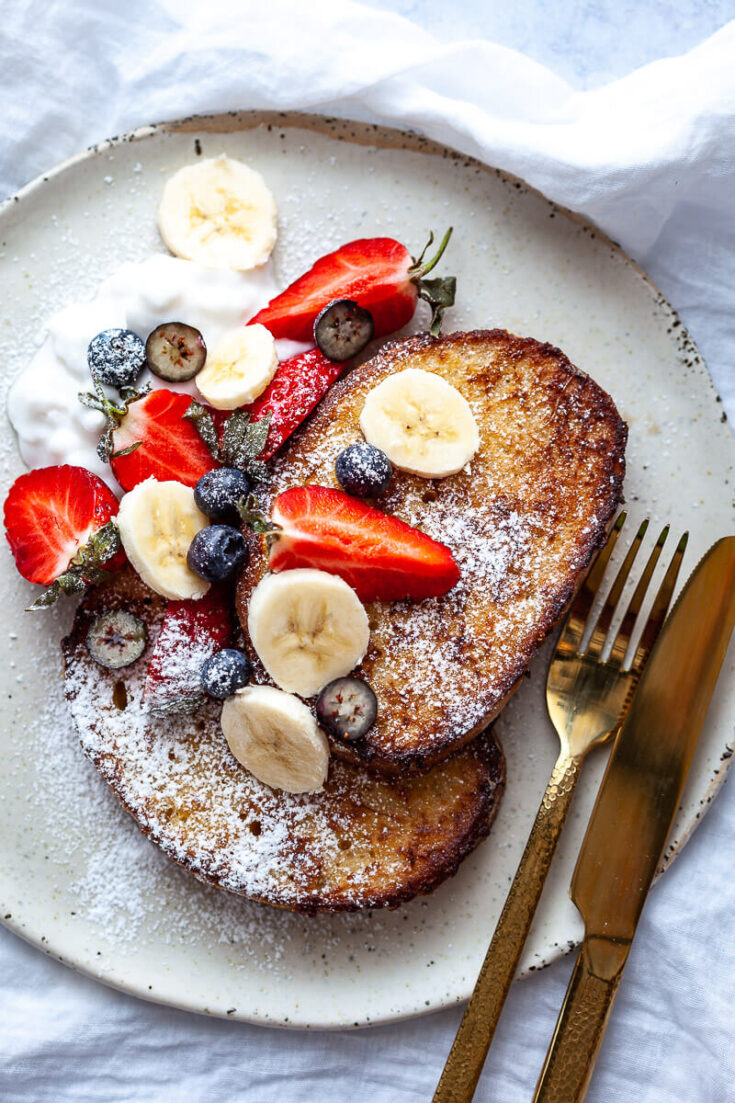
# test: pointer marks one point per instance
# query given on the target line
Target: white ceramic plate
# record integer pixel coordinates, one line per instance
(76, 877)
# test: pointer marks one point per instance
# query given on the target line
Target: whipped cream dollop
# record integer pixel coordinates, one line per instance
(43, 405)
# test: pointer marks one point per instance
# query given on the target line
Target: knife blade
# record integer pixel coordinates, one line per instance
(634, 811)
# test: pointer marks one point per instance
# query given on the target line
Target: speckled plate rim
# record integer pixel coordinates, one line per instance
(357, 133)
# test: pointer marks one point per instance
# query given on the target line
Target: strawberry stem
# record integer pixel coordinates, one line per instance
(439, 292)
(254, 519)
(419, 269)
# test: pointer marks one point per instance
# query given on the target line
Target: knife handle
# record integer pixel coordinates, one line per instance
(467, 1056)
(581, 1025)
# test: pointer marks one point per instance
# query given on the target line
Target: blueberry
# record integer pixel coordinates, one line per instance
(116, 639)
(116, 357)
(226, 672)
(216, 552)
(342, 329)
(218, 492)
(363, 470)
(175, 352)
(347, 708)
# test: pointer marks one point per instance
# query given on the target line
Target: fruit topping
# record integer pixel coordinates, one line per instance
(116, 639)
(297, 388)
(59, 528)
(116, 357)
(343, 329)
(347, 708)
(216, 552)
(421, 422)
(218, 492)
(378, 273)
(239, 368)
(307, 627)
(220, 213)
(157, 522)
(274, 736)
(251, 436)
(363, 470)
(226, 672)
(175, 352)
(148, 436)
(381, 557)
(191, 633)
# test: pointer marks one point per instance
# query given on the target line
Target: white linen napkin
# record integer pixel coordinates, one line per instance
(650, 158)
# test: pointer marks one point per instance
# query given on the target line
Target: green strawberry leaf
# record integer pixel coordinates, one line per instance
(85, 567)
(203, 422)
(114, 413)
(242, 439)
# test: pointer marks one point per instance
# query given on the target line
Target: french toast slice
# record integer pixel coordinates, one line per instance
(523, 519)
(360, 842)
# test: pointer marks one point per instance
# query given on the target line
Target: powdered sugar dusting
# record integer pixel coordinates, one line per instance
(522, 519)
(355, 843)
(190, 634)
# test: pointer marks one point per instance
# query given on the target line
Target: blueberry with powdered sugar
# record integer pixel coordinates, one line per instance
(363, 470)
(218, 492)
(226, 672)
(216, 552)
(116, 357)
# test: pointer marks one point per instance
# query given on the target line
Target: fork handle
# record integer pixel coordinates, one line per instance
(467, 1055)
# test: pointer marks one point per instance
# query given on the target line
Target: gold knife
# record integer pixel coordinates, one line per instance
(634, 811)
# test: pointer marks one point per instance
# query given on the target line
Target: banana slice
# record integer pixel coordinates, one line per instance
(275, 736)
(239, 369)
(157, 522)
(220, 213)
(307, 627)
(421, 422)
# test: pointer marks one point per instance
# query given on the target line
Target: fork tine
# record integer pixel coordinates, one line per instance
(627, 626)
(602, 627)
(660, 608)
(573, 630)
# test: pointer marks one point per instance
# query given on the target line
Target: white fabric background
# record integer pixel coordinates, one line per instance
(651, 157)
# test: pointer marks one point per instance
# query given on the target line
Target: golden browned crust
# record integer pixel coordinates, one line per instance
(524, 520)
(361, 842)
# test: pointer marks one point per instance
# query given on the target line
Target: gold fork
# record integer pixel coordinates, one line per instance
(587, 699)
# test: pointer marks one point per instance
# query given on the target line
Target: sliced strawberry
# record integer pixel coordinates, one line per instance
(377, 272)
(297, 387)
(169, 448)
(50, 514)
(191, 632)
(382, 558)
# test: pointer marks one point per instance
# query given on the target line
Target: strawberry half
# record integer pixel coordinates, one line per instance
(382, 558)
(377, 272)
(191, 632)
(297, 387)
(52, 515)
(153, 438)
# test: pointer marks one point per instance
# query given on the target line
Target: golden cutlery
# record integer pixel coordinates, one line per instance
(634, 811)
(586, 698)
